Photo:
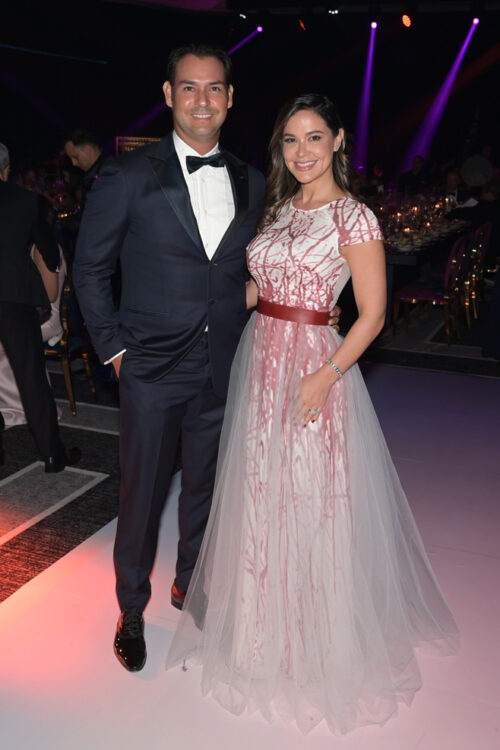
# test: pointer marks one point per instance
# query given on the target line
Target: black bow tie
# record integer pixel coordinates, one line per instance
(195, 162)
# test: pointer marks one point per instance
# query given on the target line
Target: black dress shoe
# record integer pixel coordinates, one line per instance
(68, 457)
(177, 597)
(130, 646)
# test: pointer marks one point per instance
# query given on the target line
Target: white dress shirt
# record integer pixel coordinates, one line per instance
(211, 196)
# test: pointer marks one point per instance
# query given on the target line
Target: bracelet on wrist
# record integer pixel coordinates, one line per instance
(334, 367)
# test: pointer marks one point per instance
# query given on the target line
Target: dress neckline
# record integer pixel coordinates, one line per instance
(311, 210)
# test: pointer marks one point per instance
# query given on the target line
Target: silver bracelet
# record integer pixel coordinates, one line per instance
(334, 366)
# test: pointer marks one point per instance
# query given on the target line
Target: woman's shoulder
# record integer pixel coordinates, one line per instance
(353, 208)
(356, 222)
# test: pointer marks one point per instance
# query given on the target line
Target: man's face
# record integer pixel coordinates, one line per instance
(82, 157)
(199, 99)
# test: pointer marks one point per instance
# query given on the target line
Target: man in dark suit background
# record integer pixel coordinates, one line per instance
(24, 220)
(179, 226)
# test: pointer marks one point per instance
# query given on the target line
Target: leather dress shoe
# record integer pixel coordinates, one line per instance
(177, 597)
(129, 644)
(68, 457)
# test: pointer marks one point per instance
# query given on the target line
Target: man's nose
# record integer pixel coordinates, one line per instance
(202, 98)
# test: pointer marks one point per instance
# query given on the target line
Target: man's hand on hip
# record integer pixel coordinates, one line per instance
(334, 317)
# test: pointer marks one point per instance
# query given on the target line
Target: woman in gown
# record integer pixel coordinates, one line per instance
(313, 587)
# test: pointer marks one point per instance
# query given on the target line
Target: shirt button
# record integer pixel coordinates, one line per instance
(211, 302)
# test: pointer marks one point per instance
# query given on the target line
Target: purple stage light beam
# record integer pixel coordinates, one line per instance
(146, 119)
(361, 138)
(256, 31)
(36, 101)
(422, 142)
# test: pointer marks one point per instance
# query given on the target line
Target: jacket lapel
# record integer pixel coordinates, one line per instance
(238, 174)
(169, 174)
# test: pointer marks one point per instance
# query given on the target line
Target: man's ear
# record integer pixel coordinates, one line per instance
(230, 92)
(167, 90)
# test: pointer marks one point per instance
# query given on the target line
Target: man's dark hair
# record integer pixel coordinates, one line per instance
(81, 137)
(198, 50)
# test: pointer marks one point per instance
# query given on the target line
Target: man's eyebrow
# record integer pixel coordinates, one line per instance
(210, 83)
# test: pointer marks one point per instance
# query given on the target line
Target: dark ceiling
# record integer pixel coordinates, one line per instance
(103, 67)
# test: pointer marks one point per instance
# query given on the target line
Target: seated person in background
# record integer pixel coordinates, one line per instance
(455, 188)
(487, 208)
(414, 181)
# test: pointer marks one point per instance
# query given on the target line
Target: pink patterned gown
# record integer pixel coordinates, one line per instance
(312, 588)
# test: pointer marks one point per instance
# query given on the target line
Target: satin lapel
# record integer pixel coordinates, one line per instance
(238, 174)
(169, 174)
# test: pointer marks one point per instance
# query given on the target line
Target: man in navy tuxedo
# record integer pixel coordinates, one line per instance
(178, 215)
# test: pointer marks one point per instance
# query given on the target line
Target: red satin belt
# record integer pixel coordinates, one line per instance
(295, 314)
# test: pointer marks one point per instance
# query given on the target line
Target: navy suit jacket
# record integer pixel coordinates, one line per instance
(139, 212)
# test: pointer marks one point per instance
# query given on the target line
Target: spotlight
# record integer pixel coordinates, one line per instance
(256, 31)
(243, 16)
(302, 25)
(475, 21)
(333, 11)
(406, 20)
(374, 24)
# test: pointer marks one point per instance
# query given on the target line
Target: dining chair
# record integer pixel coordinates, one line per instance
(473, 283)
(446, 293)
(72, 344)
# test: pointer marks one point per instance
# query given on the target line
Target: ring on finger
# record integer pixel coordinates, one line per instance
(314, 411)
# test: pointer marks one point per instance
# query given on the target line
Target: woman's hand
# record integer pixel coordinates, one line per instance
(312, 394)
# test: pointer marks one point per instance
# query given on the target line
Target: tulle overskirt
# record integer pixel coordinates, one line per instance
(313, 587)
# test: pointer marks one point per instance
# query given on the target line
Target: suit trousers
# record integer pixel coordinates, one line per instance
(153, 417)
(22, 340)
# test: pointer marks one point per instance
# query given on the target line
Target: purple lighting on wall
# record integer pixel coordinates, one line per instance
(256, 31)
(141, 123)
(423, 140)
(361, 137)
(36, 101)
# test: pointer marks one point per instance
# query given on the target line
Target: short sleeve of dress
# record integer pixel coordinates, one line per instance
(356, 223)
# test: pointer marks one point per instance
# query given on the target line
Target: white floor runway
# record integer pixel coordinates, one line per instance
(62, 688)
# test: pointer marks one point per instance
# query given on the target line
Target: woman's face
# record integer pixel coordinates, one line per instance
(308, 146)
